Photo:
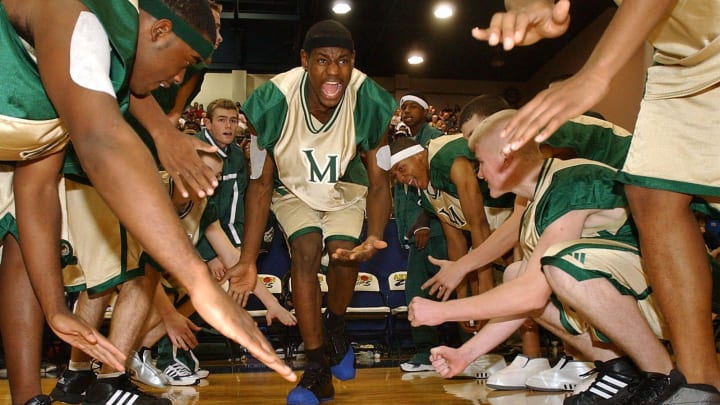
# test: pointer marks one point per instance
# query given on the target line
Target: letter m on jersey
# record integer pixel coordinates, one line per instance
(452, 216)
(328, 173)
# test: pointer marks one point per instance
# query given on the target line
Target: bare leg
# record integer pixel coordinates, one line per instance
(154, 328)
(581, 344)
(530, 339)
(549, 318)
(91, 310)
(629, 332)
(676, 262)
(22, 324)
(341, 279)
(306, 254)
(153, 331)
(131, 309)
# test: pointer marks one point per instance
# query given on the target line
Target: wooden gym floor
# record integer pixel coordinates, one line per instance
(372, 386)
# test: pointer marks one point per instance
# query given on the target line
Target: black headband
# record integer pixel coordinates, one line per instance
(328, 42)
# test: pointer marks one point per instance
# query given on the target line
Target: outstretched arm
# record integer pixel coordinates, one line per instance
(544, 114)
(525, 22)
(464, 178)
(179, 328)
(502, 240)
(449, 362)
(37, 210)
(274, 309)
(183, 94)
(123, 172)
(257, 208)
(528, 292)
(378, 208)
(242, 282)
(177, 151)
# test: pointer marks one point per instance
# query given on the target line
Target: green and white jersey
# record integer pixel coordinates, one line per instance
(407, 200)
(195, 218)
(577, 184)
(319, 162)
(594, 139)
(29, 124)
(120, 20)
(229, 196)
(441, 193)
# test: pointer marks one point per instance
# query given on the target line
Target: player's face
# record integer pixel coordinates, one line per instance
(222, 126)
(412, 113)
(412, 172)
(329, 71)
(160, 60)
(490, 168)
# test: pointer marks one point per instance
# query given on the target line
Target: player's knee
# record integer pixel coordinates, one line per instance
(560, 282)
(511, 272)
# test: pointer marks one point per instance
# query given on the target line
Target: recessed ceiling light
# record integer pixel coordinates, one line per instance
(341, 7)
(415, 59)
(444, 10)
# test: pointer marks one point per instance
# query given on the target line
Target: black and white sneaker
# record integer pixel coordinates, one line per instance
(616, 382)
(71, 386)
(119, 391)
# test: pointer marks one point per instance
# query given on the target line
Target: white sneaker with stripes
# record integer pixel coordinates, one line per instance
(513, 377)
(484, 366)
(564, 376)
(178, 374)
(199, 372)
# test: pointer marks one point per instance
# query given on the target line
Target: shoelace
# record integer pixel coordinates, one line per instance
(651, 389)
(95, 366)
(177, 370)
(196, 362)
(311, 376)
(589, 373)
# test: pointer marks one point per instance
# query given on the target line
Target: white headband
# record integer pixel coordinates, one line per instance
(416, 99)
(404, 154)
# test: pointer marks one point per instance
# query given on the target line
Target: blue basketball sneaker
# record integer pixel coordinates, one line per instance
(340, 354)
(314, 387)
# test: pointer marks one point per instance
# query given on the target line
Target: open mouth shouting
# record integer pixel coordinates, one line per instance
(331, 90)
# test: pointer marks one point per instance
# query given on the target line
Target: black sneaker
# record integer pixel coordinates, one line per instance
(314, 387)
(339, 352)
(71, 386)
(655, 388)
(39, 400)
(119, 391)
(616, 383)
(686, 394)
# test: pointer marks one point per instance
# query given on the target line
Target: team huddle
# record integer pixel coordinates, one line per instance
(96, 173)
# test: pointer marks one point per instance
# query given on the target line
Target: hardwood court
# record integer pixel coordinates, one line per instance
(372, 386)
